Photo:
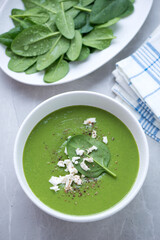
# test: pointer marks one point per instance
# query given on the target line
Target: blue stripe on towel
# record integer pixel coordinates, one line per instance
(141, 119)
(151, 53)
(140, 109)
(153, 119)
(150, 63)
(144, 121)
(150, 127)
(148, 66)
(145, 69)
(144, 105)
(115, 90)
(153, 49)
(156, 131)
(147, 124)
(153, 136)
(150, 94)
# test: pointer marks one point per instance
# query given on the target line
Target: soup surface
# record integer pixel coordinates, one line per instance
(45, 147)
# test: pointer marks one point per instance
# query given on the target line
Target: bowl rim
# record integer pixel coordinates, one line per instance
(81, 218)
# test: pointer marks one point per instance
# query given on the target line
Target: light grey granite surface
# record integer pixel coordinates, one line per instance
(20, 219)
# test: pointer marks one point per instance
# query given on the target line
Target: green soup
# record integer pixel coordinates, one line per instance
(44, 148)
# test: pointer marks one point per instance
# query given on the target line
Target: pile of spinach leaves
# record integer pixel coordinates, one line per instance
(49, 34)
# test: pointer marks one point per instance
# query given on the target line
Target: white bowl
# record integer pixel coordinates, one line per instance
(90, 99)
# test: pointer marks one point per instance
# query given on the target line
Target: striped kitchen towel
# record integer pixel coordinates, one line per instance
(146, 118)
(138, 84)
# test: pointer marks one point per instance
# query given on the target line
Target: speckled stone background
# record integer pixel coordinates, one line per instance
(20, 219)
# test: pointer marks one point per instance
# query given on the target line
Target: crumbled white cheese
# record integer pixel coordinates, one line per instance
(55, 188)
(70, 167)
(105, 140)
(72, 178)
(89, 121)
(91, 149)
(84, 166)
(79, 152)
(56, 180)
(65, 151)
(77, 179)
(67, 180)
(74, 159)
(88, 159)
(67, 161)
(94, 134)
(76, 162)
(61, 164)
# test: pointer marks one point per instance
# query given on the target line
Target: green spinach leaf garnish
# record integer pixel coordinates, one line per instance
(101, 156)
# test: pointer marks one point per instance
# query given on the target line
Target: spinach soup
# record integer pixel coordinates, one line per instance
(80, 160)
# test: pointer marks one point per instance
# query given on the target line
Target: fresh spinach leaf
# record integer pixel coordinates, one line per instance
(48, 6)
(87, 27)
(105, 10)
(85, 52)
(26, 23)
(16, 11)
(33, 41)
(75, 47)
(23, 22)
(36, 15)
(69, 4)
(7, 37)
(51, 23)
(80, 20)
(97, 44)
(73, 12)
(99, 38)
(51, 26)
(128, 11)
(100, 34)
(60, 46)
(65, 24)
(56, 71)
(85, 3)
(101, 156)
(109, 23)
(9, 52)
(16, 21)
(28, 4)
(92, 50)
(20, 64)
(32, 69)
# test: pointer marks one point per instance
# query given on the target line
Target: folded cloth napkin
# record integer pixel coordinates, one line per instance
(138, 84)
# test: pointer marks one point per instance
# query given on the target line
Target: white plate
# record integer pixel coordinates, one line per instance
(124, 30)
